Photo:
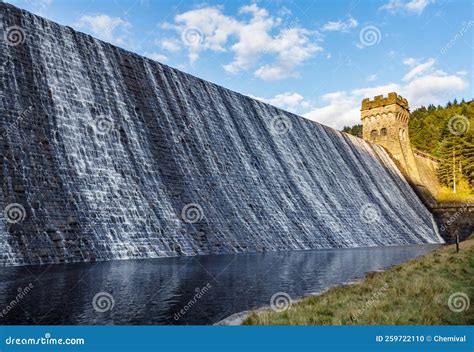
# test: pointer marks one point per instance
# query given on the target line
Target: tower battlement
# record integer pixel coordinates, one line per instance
(385, 122)
(380, 101)
(385, 119)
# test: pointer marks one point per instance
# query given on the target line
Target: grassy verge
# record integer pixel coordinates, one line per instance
(413, 293)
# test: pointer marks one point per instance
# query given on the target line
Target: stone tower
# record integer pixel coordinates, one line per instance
(385, 122)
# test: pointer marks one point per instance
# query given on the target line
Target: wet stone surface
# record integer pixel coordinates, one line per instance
(106, 155)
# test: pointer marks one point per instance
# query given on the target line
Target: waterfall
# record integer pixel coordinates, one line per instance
(109, 155)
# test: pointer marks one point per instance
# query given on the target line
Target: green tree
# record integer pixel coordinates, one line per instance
(355, 130)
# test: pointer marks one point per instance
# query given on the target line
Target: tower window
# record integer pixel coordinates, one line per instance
(383, 132)
(402, 133)
(373, 135)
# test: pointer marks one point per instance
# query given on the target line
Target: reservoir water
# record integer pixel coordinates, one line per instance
(181, 290)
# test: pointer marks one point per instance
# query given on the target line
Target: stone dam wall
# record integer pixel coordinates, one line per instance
(427, 169)
(108, 155)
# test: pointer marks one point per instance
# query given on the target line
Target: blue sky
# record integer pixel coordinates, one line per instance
(314, 58)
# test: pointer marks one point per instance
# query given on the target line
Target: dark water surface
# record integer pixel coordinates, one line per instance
(153, 291)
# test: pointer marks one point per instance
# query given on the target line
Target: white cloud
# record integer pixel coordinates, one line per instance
(423, 88)
(203, 29)
(373, 91)
(254, 40)
(391, 54)
(434, 88)
(372, 78)
(284, 11)
(171, 45)
(343, 108)
(254, 36)
(410, 61)
(412, 6)
(156, 56)
(105, 27)
(291, 47)
(417, 6)
(290, 101)
(340, 26)
(340, 110)
(418, 68)
(273, 72)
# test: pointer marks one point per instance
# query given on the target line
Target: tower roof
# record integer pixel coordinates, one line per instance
(379, 101)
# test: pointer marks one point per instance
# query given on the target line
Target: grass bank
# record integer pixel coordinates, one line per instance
(414, 293)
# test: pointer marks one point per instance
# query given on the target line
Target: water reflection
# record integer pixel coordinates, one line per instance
(154, 291)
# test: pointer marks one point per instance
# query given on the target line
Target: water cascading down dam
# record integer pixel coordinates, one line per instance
(109, 155)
